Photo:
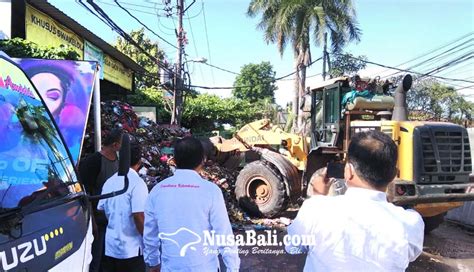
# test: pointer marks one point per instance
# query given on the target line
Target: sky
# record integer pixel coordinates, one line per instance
(393, 32)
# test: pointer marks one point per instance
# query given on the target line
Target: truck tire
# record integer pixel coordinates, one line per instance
(433, 222)
(260, 191)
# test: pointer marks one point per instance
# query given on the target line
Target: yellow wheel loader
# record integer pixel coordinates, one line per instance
(434, 157)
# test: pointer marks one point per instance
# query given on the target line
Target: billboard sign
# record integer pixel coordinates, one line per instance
(44, 30)
(66, 88)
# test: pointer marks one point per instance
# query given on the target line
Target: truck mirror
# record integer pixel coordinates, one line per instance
(306, 105)
(124, 166)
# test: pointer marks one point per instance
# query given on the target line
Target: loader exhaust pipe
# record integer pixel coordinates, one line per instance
(400, 111)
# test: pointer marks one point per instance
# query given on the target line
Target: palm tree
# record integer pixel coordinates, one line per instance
(299, 21)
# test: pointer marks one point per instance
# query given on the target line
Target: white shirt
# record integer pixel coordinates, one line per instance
(122, 239)
(178, 212)
(358, 231)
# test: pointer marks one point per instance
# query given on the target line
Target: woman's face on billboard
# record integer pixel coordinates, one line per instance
(49, 86)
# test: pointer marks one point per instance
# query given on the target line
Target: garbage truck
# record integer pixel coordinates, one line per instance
(45, 213)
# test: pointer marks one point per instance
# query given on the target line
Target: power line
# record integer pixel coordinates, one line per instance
(108, 21)
(438, 57)
(465, 87)
(194, 44)
(458, 60)
(249, 86)
(137, 10)
(450, 83)
(195, 15)
(207, 39)
(93, 13)
(433, 50)
(278, 78)
(294, 72)
(164, 26)
(442, 56)
(315, 75)
(136, 5)
(219, 68)
(470, 64)
(145, 26)
(404, 70)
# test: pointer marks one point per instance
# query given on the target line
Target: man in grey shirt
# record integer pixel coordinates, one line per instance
(94, 171)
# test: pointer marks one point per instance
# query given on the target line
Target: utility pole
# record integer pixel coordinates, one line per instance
(177, 80)
(325, 54)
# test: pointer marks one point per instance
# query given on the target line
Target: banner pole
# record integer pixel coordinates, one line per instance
(97, 121)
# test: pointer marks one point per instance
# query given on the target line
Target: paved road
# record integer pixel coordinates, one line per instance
(448, 248)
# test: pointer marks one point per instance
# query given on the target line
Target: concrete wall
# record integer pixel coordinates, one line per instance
(465, 213)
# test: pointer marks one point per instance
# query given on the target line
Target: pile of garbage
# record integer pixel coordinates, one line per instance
(156, 140)
(225, 179)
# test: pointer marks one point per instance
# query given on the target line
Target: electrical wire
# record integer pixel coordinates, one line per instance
(144, 25)
(195, 15)
(195, 46)
(137, 5)
(173, 33)
(441, 57)
(465, 87)
(433, 50)
(456, 61)
(437, 57)
(101, 14)
(91, 11)
(470, 64)
(315, 75)
(207, 39)
(219, 68)
(249, 86)
(113, 5)
(405, 70)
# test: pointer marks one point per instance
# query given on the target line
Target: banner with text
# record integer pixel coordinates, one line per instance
(92, 52)
(43, 30)
(115, 72)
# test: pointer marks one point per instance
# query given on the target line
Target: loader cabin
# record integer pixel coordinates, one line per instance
(339, 109)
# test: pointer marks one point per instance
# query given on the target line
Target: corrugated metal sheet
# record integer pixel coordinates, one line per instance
(465, 213)
(320, 84)
(67, 21)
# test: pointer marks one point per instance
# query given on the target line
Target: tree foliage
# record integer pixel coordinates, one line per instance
(255, 82)
(432, 100)
(143, 81)
(206, 112)
(346, 64)
(202, 113)
(20, 48)
(147, 86)
(301, 21)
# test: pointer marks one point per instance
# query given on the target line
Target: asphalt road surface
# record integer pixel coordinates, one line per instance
(448, 248)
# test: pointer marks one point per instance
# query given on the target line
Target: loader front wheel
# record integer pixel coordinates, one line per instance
(260, 191)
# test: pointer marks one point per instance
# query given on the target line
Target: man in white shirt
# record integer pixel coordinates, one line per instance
(360, 230)
(123, 236)
(178, 213)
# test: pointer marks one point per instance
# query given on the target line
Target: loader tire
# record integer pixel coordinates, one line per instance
(260, 191)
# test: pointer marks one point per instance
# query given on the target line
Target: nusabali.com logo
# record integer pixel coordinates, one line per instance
(185, 239)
